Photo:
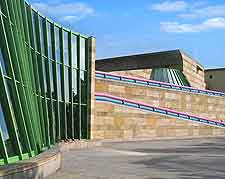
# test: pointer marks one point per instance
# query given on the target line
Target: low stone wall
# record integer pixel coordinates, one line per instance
(44, 164)
(197, 104)
(123, 123)
(38, 167)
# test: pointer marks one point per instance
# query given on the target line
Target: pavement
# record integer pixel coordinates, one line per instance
(165, 159)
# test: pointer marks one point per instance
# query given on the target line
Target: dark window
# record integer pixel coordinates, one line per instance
(211, 77)
(76, 120)
(83, 76)
(5, 134)
(84, 122)
(16, 112)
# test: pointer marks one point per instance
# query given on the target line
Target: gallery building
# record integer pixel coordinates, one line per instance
(53, 90)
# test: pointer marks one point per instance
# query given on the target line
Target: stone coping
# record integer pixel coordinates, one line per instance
(40, 166)
(78, 144)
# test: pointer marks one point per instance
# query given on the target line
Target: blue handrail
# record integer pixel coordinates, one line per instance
(162, 111)
(151, 83)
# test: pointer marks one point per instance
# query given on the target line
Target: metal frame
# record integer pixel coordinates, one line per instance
(36, 118)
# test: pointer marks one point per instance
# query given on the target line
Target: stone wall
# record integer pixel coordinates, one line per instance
(92, 52)
(194, 72)
(120, 122)
(107, 116)
(142, 73)
(203, 105)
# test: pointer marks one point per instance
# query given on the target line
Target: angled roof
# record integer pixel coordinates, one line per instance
(142, 61)
(215, 69)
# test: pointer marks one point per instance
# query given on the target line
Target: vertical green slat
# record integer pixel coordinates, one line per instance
(44, 102)
(39, 110)
(30, 105)
(24, 92)
(52, 133)
(24, 139)
(33, 106)
(34, 79)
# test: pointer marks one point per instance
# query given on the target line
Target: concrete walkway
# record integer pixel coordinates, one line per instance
(168, 159)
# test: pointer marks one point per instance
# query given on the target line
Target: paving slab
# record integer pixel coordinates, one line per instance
(164, 159)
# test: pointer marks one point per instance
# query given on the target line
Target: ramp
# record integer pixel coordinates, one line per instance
(101, 97)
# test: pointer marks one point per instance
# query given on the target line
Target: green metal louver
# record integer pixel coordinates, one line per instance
(44, 83)
(167, 75)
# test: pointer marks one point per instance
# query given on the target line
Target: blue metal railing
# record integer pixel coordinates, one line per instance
(163, 111)
(151, 83)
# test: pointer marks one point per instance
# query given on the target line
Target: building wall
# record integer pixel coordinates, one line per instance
(194, 72)
(142, 73)
(215, 79)
(202, 105)
(119, 122)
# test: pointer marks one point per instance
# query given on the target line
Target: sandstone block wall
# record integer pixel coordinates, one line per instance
(92, 52)
(194, 72)
(120, 122)
(142, 73)
(202, 105)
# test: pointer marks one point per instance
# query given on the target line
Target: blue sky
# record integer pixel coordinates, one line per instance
(140, 26)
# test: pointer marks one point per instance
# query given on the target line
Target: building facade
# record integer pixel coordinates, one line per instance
(45, 82)
(215, 79)
(176, 67)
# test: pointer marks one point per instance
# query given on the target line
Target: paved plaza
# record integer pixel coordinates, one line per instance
(167, 159)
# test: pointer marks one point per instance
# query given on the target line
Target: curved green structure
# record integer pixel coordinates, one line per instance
(168, 75)
(44, 83)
